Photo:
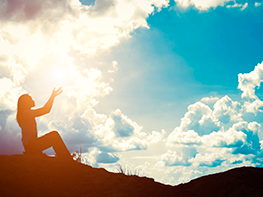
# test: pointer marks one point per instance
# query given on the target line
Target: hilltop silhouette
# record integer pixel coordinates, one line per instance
(28, 175)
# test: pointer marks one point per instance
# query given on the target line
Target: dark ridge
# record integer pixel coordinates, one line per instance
(27, 175)
(237, 182)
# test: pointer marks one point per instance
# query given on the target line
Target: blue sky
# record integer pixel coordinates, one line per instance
(167, 88)
(184, 56)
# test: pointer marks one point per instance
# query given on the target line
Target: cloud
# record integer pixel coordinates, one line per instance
(10, 134)
(112, 133)
(101, 7)
(156, 137)
(187, 137)
(227, 111)
(59, 26)
(210, 101)
(177, 158)
(219, 133)
(241, 137)
(95, 157)
(244, 6)
(9, 94)
(114, 67)
(257, 4)
(202, 5)
(247, 83)
(236, 5)
(119, 133)
(252, 143)
(52, 43)
(45, 15)
(12, 40)
(198, 121)
(210, 159)
(229, 138)
(123, 126)
(43, 44)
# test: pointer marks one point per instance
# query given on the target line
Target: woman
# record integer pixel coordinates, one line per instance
(26, 120)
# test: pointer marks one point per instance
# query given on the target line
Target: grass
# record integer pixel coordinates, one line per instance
(77, 155)
(127, 171)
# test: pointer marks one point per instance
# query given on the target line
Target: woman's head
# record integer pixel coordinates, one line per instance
(25, 102)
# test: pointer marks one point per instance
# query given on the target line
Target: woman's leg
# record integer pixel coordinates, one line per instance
(32, 147)
(53, 139)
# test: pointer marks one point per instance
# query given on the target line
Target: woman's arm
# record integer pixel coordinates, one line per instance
(47, 107)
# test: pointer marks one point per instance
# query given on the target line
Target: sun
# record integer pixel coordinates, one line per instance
(59, 76)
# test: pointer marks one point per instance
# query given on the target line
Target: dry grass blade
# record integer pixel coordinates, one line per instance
(126, 171)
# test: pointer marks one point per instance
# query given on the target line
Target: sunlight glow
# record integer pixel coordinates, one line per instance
(59, 75)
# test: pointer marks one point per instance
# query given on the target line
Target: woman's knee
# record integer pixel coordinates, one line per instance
(54, 132)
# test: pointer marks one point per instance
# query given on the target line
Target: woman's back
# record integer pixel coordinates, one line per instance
(28, 126)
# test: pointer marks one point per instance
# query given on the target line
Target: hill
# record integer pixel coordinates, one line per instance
(25, 175)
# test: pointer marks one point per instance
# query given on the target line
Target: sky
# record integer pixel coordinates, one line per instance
(166, 89)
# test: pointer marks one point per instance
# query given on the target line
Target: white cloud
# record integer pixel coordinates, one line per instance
(207, 4)
(257, 4)
(229, 138)
(120, 133)
(209, 100)
(27, 10)
(9, 94)
(244, 6)
(10, 134)
(112, 133)
(29, 30)
(209, 159)
(198, 121)
(156, 137)
(123, 127)
(202, 4)
(261, 144)
(95, 157)
(187, 137)
(181, 157)
(208, 140)
(114, 67)
(247, 83)
(236, 5)
(252, 143)
(232, 132)
(35, 38)
(227, 111)
(49, 43)
(220, 134)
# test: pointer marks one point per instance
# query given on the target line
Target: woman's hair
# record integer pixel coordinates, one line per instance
(23, 103)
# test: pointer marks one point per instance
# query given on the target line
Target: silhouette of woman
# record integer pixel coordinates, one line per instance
(26, 120)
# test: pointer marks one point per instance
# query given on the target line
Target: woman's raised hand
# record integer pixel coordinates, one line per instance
(56, 92)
